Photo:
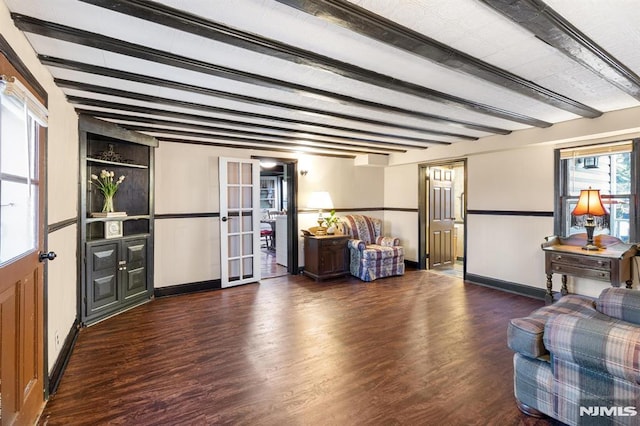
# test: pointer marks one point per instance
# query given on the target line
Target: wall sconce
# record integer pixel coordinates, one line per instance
(304, 164)
(590, 204)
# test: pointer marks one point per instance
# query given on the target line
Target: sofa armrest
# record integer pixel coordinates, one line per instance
(598, 343)
(388, 241)
(356, 244)
(524, 335)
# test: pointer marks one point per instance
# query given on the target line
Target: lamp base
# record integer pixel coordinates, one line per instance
(590, 226)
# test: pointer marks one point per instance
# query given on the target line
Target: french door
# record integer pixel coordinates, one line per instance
(239, 221)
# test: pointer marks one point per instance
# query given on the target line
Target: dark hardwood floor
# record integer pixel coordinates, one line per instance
(269, 268)
(422, 349)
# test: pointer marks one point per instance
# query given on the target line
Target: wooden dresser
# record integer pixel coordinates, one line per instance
(565, 256)
(326, 256)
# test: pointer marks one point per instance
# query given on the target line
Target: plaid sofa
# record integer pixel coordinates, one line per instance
(372, 256)
(578, 360)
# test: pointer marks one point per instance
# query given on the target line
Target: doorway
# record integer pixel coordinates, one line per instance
(277, 217)
(442, 211)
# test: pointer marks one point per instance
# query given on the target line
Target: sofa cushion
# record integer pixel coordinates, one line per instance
(600, 343)
(576, 386)
(525, 335)
(620, 303)
(375, 252)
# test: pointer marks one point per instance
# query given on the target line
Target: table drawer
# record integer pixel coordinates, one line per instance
(578, 271)
(574, 260)
(333, 242)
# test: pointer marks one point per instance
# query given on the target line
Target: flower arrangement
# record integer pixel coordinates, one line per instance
(105, 183)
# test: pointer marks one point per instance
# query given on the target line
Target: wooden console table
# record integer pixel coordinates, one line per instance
(565, 256)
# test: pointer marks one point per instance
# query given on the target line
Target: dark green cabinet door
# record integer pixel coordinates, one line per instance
(117, 276)
(134, 280)
(102, 277)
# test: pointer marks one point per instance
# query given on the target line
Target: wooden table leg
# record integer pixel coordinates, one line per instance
(564, 290)
(548, 298)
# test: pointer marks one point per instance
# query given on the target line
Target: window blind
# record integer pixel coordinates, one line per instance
(16, 91)
(595, 150)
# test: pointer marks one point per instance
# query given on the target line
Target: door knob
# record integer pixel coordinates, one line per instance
(46, 256)
(224, 218)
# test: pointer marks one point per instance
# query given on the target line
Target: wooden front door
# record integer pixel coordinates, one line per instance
(22, 233)
(441, 217)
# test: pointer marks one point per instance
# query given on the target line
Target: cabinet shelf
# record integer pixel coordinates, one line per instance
(126, 237)
(115, 163)
(122, 218)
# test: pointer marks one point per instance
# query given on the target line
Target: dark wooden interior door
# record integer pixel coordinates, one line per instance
(441, 217)
(22, 284)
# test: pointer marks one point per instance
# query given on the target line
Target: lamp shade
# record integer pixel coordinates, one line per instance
(320, 200)
(589, 203)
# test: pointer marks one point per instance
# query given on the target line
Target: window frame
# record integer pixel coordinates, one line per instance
(561, 185)
(32, 179)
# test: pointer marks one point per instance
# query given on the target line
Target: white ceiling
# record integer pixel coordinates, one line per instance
(311, 109)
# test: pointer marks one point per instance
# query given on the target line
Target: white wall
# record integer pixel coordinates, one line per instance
(62, 194)
(186, 181)
(520, 179)
(401, 192)
(508, 247)
(349, 186)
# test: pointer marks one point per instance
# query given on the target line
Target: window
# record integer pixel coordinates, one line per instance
(20, 118)
(609, 168)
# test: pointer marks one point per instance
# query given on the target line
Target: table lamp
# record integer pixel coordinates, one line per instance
(320, 200)
(589, 204)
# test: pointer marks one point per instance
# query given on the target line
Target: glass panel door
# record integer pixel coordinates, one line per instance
(239, 221)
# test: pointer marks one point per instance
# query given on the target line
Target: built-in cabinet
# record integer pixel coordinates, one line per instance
(116, 250)
(116, 273)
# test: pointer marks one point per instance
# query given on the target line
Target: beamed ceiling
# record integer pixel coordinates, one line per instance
(336, 77)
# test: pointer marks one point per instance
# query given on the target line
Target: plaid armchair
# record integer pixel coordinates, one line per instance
(578, 360)
(372, 256)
